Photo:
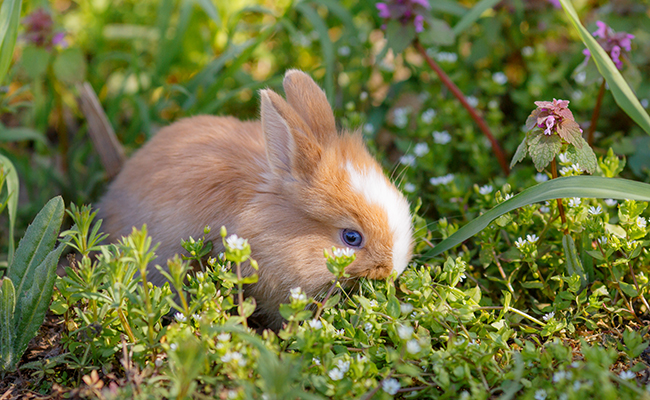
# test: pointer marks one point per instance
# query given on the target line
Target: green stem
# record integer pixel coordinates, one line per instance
(559, 201)
(240, 295)
(321, 305)
(594, 116)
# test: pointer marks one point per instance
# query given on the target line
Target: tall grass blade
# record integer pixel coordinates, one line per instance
(13, 188)
(9, 21)
(327, 48)
(7, 329)
(473, 15)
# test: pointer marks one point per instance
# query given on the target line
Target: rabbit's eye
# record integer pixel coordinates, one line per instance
(351, 238)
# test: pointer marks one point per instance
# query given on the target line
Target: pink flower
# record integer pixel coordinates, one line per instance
(39, 30)
(555, 117)
(405, 11)
(556, 4)
(612, 42)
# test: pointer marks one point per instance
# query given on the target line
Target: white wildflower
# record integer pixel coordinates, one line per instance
(180, 317)
(577, 95)
(368, 128)
(297, 294)
(472, 101)
(361, 358)
(486, 189)
(499, 78)
(374, 304)
(541, 177)
(577, 385)
(315, 324)
(234, 242)
(405, 332)
(363, 96)
(602, 240)
(339, 333)
(223, 337)
(508, 196)
(421, 149)
(610, 202)
(391, 386)
(344, 366)
(566, 171)
(544, 209)
(627, 375)
(406, 308)
(428, 116)
(441, 180)
(409, 187)
(549, 316)
(335, 374)
(407, 159)
(532, 238)
(444, 56)
(493, 104)
(527, 51)
(581, 77)
(158, 362)
(344, 51)
(576, 168)
(520, 243)
(400, 117)
(641, 222)
(595, 210)
(315, 360)
(173, 346)
(441, 137)
(645, 103)
(413, 347)
(540, 394)
(367, 327)
(346, 252)
(564, 158)
(574, 202)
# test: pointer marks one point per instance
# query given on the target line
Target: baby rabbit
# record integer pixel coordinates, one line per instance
(290, 183)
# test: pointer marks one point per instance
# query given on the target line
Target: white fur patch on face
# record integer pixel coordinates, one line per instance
(376, 189)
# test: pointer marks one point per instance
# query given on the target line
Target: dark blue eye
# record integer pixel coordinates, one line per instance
(351, 238)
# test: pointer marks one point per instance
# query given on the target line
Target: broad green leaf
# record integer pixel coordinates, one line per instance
(399, 36)
(33, 303)
(327, 48)
(573, 264)
(13, 188)
(20, 133)
(393, 307)
(583, 156)
(34, 61)
(437, 33)
(70, 66)
(621, 91)
(573, 186)
(38, 241)
(543, 149)
(628, 289)
(449, 7)
(473, 15)
(521, 152)
(9, 21)
(8, 357)
(210, 10)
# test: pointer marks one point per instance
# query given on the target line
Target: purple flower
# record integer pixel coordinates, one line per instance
(554, 117)
(556, 4)
(405, 11)
(39, 30)
(612, 42)
(59, 40)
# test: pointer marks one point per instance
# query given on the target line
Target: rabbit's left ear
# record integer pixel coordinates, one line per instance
(309, 101)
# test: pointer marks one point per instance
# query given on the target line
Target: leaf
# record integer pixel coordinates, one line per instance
(393, 307)
(8, 359)
(34, 61)
(327, 48)
(573, 263)
(38, 241)
(21, 133)
(438, 33)
(211, 10)
(543, 149)
(9, 21)
(570, 131)
(248, 306)
(623, 94)
(473, 15)
(70, 66)
(399, 36)
(13, 188)
(573, 186)
(332, 301)
(34, 302)
(583, 156)
(521, 152)
(628, 289)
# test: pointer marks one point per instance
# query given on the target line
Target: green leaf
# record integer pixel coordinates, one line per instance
(21, 133)
(583, 156)
(573, 186)
(573, 263)
(543, 149)
(438, 33)
(473, 15)
(9, 21)
(393, 307)
(628, 289)
(399, 36)
(211, 10)
(8, 358)
(623, 94)
(248, 307)
(521, 152)
(33, 303)
(34, 61)
(38, 241)
(327, 48)
(332, 301)
(70, 66)
(13, 188)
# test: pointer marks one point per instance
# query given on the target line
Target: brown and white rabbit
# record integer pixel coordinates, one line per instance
(289, 183)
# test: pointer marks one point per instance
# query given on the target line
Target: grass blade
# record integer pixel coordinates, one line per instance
(326, 45)
(13, 188)
(574, 186)
(9, 20)
(8, 357)
(473, 15)
(623, 94)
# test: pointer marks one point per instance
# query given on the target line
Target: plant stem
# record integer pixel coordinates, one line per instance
(321, 304)
(636, 285)
(498, 152)
(594, 116)
(240, 295)
(559, 201)
(514, 310)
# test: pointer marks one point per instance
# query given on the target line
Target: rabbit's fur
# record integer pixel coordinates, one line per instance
(289, 183)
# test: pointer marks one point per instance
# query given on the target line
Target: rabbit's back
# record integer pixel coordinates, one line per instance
(197, 171)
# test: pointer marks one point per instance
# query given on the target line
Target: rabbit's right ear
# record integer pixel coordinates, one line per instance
(290, 145)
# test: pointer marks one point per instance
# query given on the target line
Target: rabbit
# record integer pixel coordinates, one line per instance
(290, 184)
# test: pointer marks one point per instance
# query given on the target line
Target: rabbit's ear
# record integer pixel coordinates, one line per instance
(290, 145)
(310, 102)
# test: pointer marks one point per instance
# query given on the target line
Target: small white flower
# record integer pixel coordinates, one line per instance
(520, 243)
(367, 327)
(549, 316)
(344, 51)
(472, 101)
(532, 238)
(595, 210)
(610, 202)
(400, 117)
(566, 171)
(374, 304)
(344, 366)
(232, 394)
(564, 158)
(406, 308)
(158, 362)
(199, 276)
(576, 95)
(464, 395)
(581, 77)
(405, 332)
(339, 333)
(363, 96)
(527, 51)
(493, 104)
(559, 376)
(444, 56)
(234, 242)
(361, 358)
(574, 202)
(641, 222)
(541, 177)
(499, 78)
(180, 317)
(335, 374)
(346, 252)
(173, 346)
(544, 209)
(428, 116)
(409, 187)
(627, 375)
(315, 324)
(223, 337)
(413, 347)
(407, 159)
(441, 180)
(507, 197)
(196, 317)
(441, 137)
(644, 103)
(576, 168)
(540, 394)
(316, 360)
(391, 386)
(421, 149)
(576, 386)
(368, 128)
(486, 189)
(602, 240)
